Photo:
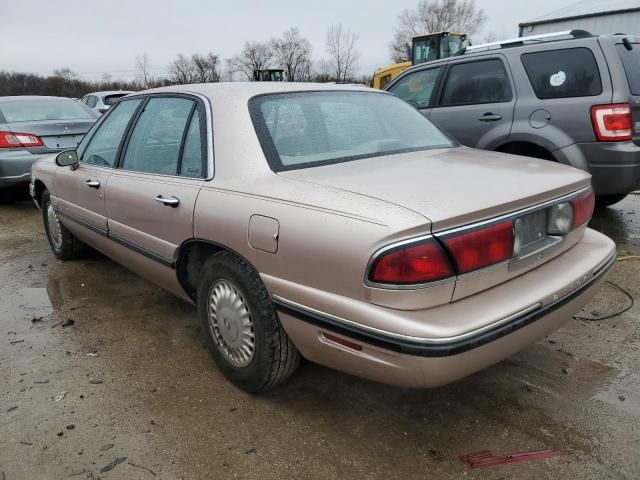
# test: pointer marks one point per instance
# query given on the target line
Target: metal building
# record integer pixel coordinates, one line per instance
(595, 16)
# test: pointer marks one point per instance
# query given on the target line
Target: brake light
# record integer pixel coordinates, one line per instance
(582, 209)
(15, 139)
(481, 248)
(612, 122)
(413, 264)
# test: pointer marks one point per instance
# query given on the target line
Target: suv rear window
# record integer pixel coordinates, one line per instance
(571, 72)
(631, 61)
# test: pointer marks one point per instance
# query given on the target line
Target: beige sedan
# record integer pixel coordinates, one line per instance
(330, 222)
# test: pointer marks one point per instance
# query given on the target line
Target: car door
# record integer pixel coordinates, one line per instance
(151, 196)
(80, 189)
(476, 102)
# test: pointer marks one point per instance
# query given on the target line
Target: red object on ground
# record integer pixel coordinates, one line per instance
(488, 459)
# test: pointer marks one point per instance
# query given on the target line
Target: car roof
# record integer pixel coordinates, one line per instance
(242, 91)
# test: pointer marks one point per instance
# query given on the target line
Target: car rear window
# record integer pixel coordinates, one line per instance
(631, 62)
(111, 99)
(570, 72)
(300, 130)
(44, 109)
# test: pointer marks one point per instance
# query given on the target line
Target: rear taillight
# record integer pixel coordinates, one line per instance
(416, 263)
(15, 140)
(612, 122)
(476, 249)
(582, 209)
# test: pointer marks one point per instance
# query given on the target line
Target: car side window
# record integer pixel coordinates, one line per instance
(470, 83)
(103, 145)
(154, 146)
(192, 161)
(570, 72)
(91, 101)
(417, 88)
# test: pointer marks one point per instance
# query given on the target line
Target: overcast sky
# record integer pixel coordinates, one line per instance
(93, 37)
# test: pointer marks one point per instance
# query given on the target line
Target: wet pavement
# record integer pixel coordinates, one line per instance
(127, 391)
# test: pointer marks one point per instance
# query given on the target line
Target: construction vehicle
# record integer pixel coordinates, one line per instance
(424, 48)
(269, 75)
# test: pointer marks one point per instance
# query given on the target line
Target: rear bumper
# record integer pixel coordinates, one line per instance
(428, 362)
(614, 166)
(15, 167)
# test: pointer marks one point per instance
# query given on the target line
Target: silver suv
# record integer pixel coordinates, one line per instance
(570, 97)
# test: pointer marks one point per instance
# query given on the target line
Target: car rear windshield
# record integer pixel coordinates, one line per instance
(570, 72)
(45, 109)
(300, 130)
(111, 99)
(631, 61)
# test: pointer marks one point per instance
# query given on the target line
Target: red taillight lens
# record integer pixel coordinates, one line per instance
(15, 140)
(480, 248)
(582, 209)
(417, 263)
(612, 122)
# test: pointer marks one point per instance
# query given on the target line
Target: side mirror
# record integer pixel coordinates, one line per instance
(67, 159)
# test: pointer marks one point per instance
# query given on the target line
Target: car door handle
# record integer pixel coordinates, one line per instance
(490, 117)
(169, 201)
(92, 183)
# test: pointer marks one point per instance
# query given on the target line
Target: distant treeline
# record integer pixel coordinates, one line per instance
(12, 83)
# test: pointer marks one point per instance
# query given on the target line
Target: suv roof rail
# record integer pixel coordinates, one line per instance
(519, 41)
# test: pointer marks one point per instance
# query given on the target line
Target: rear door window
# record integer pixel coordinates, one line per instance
(417, 88)
(570, 72)
(154, 146)
(631, 62)
(472, 83)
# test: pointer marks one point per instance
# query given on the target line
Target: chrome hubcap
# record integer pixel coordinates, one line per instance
(55, 231)
(230, 323)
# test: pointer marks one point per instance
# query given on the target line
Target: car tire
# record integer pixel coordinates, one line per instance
(603, 201)
(244, 335)
(64, 245)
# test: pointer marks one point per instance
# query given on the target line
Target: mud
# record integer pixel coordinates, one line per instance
(127, 391)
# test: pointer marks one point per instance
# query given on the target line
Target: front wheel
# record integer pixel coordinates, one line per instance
(64, 245)
(603, 201)
(244, 334)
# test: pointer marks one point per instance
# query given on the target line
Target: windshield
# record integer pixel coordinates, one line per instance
(299, 130)
(435, 48)
(111, 99)
(44, 109)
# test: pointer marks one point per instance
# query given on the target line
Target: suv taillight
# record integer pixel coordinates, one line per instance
(15, 140)
(612, 123)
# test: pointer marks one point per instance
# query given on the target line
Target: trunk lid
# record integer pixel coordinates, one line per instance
(56, 135)
(451, 187)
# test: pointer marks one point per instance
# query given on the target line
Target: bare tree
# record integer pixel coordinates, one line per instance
(65, 74)
(435, 16)
(143, 70)
(254, 56)
(182, 70)
(205, 67)
(292, 52)
(342, 51)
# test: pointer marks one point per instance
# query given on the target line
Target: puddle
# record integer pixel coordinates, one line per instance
(30, 302)
(621, 393)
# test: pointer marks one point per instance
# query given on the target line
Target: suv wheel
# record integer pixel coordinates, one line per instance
(64, 245)
(603, 201)
(244, 334)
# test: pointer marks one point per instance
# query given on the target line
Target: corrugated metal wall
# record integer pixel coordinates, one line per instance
(614, 23)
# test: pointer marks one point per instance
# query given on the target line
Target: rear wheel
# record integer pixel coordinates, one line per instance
(64, 245)
(603, 201)
(244, 334)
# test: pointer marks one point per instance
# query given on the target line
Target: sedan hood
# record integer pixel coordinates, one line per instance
(450, 187)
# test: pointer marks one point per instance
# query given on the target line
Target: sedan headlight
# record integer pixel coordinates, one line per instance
(560, 219)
